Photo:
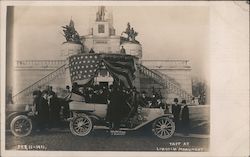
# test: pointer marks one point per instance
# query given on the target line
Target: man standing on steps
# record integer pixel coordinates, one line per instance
(123, 51)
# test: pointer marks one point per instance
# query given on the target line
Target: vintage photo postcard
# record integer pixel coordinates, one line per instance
(124, 78)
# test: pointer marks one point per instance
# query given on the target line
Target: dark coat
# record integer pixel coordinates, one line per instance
(116, 107)
(55, 108)
(176, 109)
(36, 102)
(185, 116)
(185, 123)
(43, 110)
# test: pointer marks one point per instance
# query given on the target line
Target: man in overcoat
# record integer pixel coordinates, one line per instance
(43, 111)
(176, 109)
(185, 118)
(116, 107)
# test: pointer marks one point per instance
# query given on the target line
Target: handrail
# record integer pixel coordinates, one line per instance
(40, 80)
(163, 63)
(167, 77)
(165, 82)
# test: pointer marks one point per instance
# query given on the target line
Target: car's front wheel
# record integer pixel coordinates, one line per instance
(81, 125)
(21, 126)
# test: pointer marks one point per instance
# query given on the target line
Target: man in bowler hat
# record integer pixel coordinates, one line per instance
(176, 109)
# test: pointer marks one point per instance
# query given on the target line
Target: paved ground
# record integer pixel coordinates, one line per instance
(101, 140)
(200, 119)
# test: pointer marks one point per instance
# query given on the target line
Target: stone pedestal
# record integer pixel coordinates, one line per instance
(67, 74)
(134, 49)
(109, 44)
(71, 48)
(68, 49)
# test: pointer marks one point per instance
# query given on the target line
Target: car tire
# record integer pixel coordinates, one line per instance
(163, 127)
(81, 125)
(21, 126)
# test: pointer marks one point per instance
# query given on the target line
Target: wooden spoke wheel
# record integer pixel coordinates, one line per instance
(21, 126)
(81, 125)
(163, 127)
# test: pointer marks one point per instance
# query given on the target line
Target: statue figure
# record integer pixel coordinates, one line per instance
(70, 33)
(130, 34)
(128, 29)
(100, 15)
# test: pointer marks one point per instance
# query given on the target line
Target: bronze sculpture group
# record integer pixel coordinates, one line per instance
(70, 34)
(130, 34)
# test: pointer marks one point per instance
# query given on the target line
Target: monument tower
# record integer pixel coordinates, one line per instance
(102, 37)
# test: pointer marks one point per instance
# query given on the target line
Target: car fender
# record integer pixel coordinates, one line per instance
(150, 121)
(14, 114)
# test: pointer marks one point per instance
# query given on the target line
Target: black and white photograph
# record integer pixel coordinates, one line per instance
(108, 77)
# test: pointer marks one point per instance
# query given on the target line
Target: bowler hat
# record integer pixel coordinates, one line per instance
(175, 100)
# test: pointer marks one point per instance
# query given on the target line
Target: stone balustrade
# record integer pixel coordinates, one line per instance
(39, 63)
(161, 64)
(151, 64)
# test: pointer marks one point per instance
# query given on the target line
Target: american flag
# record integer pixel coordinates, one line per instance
(83, 67)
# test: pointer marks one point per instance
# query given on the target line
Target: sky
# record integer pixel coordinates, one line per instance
(165, 32)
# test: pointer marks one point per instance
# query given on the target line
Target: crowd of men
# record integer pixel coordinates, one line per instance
(122, 102)
(102, 94)
(46, 107)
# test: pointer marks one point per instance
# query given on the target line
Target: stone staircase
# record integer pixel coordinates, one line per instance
(26, 93)
(171, 85)
(166, 77)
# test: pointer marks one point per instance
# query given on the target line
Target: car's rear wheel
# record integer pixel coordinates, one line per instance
(21, 126)
(163, 127)
(81, 125)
